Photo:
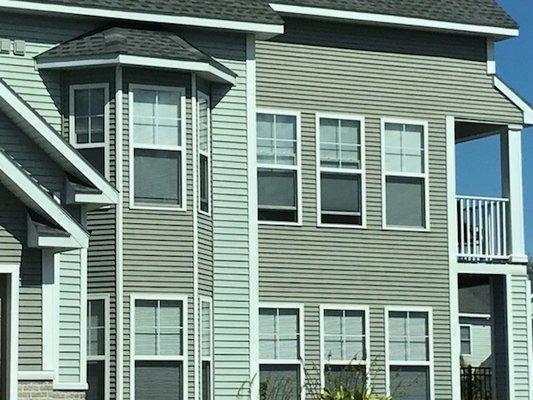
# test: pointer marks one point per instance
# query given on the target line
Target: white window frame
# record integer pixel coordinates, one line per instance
(182, 149)
(301, 343)
(297, 167)
(106, 357)
(385, 174)
(72, 122)
(183, 358)
(12, 332)
(207, 154)
(319, 169)
(204, 299)
(323, 361)
(469, 326)
(430, 363)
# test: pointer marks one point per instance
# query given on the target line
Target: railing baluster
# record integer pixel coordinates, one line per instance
(492, 229)
(468, 249)
(479, 233)
(504, 227)
(498, 225)
(486, 219)
(462, 225)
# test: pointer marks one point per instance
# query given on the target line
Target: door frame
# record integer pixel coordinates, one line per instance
(13, 328)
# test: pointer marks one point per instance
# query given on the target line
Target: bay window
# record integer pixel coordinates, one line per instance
(280, 353)
(157, 143)
(340, 170)
(158, 358)
(409, 354)
(204, 152)
(278, 164)
(89, 124)
(405, 174)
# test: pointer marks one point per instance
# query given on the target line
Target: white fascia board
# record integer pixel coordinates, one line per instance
(515, 99)
(409, 22)
(77, 162)
(271, 29)
(150, 62)
(38, 198)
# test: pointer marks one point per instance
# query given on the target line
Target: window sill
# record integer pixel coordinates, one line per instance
(340, 226)
(280, 223)
(157, 208)
(405, 229)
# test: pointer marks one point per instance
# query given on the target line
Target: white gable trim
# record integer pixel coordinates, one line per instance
(515, 99)
(408, 22)
(145, 17)
(109, 195)
(207, 69)
(41, 200)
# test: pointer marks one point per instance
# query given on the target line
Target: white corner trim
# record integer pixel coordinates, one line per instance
(145, 17)
(12, 328)
(38, 198)
(515, 99)
(138, 61)
(491, 61)
(407, 22)
(48, 134)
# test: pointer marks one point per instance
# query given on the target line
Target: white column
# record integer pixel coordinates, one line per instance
(511, 159)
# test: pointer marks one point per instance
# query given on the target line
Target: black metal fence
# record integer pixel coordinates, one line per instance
(476, 383)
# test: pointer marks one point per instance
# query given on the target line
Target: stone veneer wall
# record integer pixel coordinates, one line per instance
(43, 390)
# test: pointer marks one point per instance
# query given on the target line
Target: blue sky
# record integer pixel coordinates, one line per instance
(478, 165)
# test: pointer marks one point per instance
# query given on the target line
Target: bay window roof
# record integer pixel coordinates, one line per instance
(135, 47)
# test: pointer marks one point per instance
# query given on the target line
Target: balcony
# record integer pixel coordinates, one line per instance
(482, 228)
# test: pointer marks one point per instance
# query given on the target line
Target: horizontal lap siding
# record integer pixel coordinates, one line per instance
(205, 255)
(335, 68)
(520, 337)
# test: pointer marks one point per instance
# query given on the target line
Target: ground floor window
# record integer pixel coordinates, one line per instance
(206, 349)
(97, 347)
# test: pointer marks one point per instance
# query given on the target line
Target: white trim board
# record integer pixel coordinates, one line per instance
(106, 358)
(13, 328)
(46, 7)
(50, 140)
(515, 99)
(398, 21)
(35, 197)
(204, 69)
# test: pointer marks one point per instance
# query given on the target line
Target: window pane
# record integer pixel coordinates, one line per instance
(144, 130)
(409, 383)
(286, 127)
(340, 192)
(265, 126)
(168, 132)
(333, 322)
(81, 102)
(82, 130)
(466, 345)
(146, 327)
(157, 177)
(206, 380)
(352, 377)
(158, 380)
(204, 183)
(404, 148)
(277, 195)
(203, 124)
(333, 347)
(168, 104)
(418, 324)
(96, 380)
(96, 157)
(267, 331)
(144, 103)
(97, 129)
(276, 139)
(355, 322)
(96, 328)
(405, 202)
(280, 382)
(206, 329)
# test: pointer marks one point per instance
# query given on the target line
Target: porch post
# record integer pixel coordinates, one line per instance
(511, 159)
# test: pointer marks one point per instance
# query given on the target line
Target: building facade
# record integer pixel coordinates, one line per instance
(234, 200)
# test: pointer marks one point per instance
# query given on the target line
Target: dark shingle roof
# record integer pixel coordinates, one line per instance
(475, 12)
(114, 41)
(256, 11)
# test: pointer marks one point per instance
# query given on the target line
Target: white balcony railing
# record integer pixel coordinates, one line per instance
(482, 228)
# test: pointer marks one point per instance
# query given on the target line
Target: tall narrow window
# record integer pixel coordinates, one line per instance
(204, 152)
(88, 123)
(158, 354)
(96, 349)
(279, 353)
(409, 355)
(278, 165)
(344, 348)
(157, 147)
(340, 171)
(206, 349)
(405, 175)
(466, 340)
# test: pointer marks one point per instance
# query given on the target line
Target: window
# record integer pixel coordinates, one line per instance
(206, 348)
(466, 340)
(280, 353)
(157, 147)
(405, 175)
(278, 164)
(97, 351)
(340, 170)
(89, 124)
(204, 151)
(158, 349)
(410, 357)
(344, 348)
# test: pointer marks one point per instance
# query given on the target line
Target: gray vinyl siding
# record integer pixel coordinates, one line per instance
(375, 73)
(158, 247)
(205, 255)
(13, 250)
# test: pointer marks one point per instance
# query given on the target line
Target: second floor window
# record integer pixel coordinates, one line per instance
(157, 147)
(405, 174)
(204, 152)
(89, 123)
(340, 171)
(278, 167)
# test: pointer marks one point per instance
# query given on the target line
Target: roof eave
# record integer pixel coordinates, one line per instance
(393, 20)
